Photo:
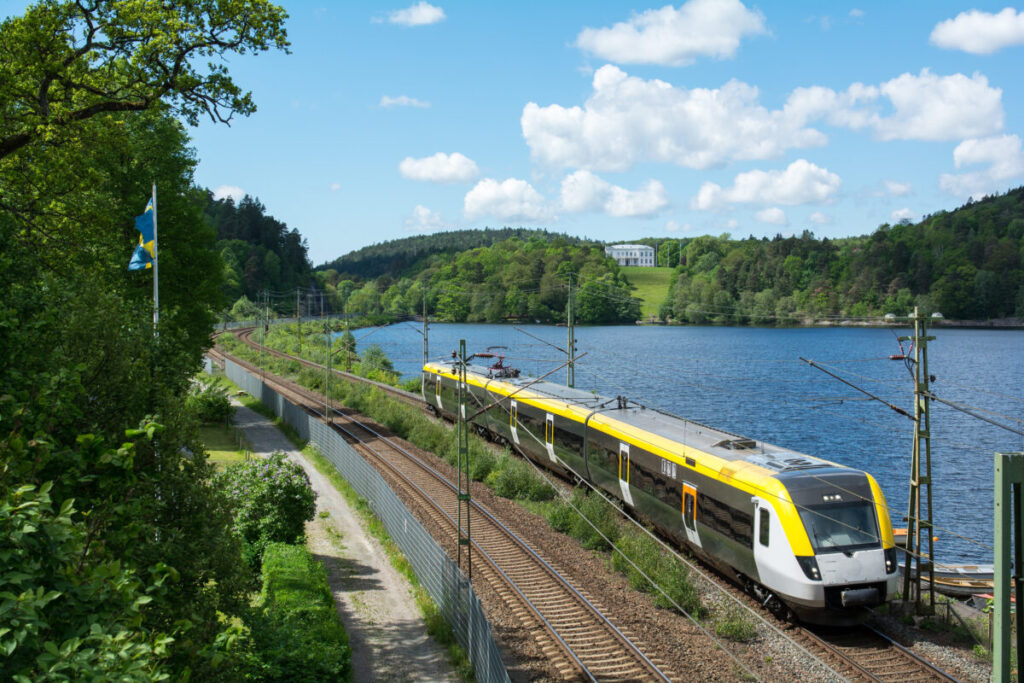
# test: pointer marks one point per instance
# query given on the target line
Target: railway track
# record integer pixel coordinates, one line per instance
(859, 654)
(569, 627)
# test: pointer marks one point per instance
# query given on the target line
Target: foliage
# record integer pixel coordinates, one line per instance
(64, 63)
(734, 624)
(668, 572)
(296, 633)
(588, 518)
(967, 264)
(271, 500)
(210, 401)
(66, 611)
(517, 480)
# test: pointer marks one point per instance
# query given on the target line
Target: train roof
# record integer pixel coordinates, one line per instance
(717, 442)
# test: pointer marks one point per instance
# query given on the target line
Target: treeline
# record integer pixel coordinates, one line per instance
(513, 279)
(119, 557)
(259, 252)
(964, 263)
(398, 257)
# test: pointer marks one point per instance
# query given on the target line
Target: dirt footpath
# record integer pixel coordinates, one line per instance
(386, 631)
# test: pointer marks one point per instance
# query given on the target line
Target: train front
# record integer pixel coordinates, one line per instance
(852, 560)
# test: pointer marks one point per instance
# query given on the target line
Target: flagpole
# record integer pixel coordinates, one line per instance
(156, 266)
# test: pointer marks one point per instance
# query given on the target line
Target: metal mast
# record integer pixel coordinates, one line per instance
(919, 517)
(465, 500)
(570, 347)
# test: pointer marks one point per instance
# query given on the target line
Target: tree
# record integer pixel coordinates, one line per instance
(62, 63)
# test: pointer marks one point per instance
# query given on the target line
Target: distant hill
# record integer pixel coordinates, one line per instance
(400, 257)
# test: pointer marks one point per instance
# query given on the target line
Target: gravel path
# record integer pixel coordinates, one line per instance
(386, 631)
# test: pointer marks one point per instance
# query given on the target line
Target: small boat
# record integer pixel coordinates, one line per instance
(962, 580)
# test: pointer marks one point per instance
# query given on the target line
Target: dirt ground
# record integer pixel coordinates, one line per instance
(386, 631)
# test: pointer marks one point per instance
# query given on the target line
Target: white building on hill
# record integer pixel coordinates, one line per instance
(632, 254)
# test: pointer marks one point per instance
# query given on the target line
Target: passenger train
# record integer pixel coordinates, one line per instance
(810, 538)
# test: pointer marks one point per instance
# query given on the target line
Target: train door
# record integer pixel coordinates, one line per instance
(513, 421)
(437, 392)
(549, 436)
(690, 513)
(624, 473)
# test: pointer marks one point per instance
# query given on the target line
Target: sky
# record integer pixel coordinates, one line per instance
(617, 121)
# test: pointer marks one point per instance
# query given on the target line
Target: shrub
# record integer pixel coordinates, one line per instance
(295, 631)
(735, 625)
(600, 514)
(271, 500)
(210, 402)
(517, 480)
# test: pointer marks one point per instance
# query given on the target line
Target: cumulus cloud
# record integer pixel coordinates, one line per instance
(896, 188)
(584, 191)
(773, 216)
(924, 107)
(335, 187)
(1003, 155)
(900, 215)
(820, 218)
(800, 183)
(420, 14)
(423, 219)
(402, 101)
(980, 33)
(510, 199)
(856, 13)
(439, 168)
(224, 191)
(628, 119)
(675, 37)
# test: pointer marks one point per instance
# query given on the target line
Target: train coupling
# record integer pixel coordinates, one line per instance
(856, 597)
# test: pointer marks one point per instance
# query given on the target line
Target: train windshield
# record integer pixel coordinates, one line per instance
(841, 528)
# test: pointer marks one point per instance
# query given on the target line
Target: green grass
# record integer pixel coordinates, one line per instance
(220, 445)
(651, 286)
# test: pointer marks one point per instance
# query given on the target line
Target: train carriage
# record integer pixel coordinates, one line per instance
(807, 536)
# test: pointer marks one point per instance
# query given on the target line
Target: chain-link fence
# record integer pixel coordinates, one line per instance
(436, 572)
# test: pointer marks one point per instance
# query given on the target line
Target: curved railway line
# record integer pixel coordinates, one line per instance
(570, 627)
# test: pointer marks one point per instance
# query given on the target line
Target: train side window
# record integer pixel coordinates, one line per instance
(688, 511)
(765, 524)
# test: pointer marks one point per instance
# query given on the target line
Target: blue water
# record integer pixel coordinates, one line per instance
(751, 381)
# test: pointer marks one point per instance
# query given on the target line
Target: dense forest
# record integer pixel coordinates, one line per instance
(966, 264)
(119, 558)
(259, 252)
(513, 279)
(398, 257)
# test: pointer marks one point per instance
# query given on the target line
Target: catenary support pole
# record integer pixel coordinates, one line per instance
(1009, 476)
(465, 501)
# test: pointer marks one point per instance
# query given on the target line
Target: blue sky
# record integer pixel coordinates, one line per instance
(617, 121)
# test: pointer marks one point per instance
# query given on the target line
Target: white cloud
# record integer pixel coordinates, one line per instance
(628, 119)
(924, 107)
(1004, 156)
(774, 216)
(584, 191)
(222, 192)
(900, 215)
(335, 187)
(856, 13)
(896, 188)
(420, 14)
(439, 168)
(511, 199)
(675, 37)
(980, 33)
(402, 101)
(800, 183)
(423, 219)
(820, 218)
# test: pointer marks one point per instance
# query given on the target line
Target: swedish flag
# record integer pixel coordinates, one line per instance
(145, 252)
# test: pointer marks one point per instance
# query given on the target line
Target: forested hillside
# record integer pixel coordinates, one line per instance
(513, 279)
(965, 264)
(259, 252)
(397, 257)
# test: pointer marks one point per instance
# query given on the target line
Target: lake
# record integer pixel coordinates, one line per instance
(751, 381)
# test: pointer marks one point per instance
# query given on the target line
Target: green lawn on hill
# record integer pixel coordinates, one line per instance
(651, 286)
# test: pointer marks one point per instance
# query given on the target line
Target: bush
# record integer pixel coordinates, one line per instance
(600, 514)
(210, 402)
(271, 500)
(735, 625)
(671, 575)
(295, 631)
(517, 480)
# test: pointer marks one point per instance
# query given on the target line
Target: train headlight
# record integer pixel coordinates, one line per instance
(890, 560)
(810, 567)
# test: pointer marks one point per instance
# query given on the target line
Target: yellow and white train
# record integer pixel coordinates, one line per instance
(808, 537)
